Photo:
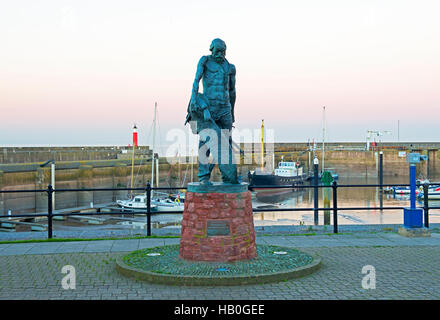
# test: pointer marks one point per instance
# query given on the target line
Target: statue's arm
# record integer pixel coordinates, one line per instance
(199, 75)
(232, 93)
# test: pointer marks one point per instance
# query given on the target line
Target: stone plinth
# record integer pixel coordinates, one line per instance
(217, 223)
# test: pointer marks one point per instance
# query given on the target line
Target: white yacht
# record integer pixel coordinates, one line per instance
(139, 202)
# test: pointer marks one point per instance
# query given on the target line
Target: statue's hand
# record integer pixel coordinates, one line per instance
(206, 115)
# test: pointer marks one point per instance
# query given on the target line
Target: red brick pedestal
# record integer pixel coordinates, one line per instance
(218, 224)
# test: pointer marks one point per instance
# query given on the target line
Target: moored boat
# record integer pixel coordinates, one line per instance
(433, 192)
(138, 202)
(167, 204)
(287, 173)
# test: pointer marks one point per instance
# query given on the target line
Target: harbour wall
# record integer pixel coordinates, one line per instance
(353, 160)
(17, 155)
(87, 177)
(119, 175)
(366, 163)
(116, 173)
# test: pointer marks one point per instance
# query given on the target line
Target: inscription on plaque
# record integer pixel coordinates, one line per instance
(217, 228)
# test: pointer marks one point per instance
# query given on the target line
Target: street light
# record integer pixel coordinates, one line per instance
(52, 177)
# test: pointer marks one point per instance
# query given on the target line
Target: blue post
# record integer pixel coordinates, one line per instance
(413, 216)
(412, 182)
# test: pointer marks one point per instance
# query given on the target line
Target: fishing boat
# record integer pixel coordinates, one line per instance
(287, 173)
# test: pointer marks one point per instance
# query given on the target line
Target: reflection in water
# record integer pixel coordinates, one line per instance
(347, 197)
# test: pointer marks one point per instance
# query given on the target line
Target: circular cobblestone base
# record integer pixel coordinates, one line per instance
(163, 265)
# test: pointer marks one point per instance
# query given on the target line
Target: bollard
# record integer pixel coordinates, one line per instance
(326, 180)
(335, 207)
(426, 203)
(148, 192)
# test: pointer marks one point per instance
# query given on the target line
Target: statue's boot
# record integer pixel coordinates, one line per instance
(205, 182)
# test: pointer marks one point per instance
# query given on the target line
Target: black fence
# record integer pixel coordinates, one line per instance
(148, 190)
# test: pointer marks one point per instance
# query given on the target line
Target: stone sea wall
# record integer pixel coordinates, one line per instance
(116, 173)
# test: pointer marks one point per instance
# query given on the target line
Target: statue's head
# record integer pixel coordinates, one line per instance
(218, 49)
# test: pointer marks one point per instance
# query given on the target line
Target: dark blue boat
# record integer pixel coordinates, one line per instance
(287, 173)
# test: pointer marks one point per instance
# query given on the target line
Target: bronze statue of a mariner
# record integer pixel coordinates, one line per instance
(211, 113)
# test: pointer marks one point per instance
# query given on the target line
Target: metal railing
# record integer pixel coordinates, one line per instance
(148, 190)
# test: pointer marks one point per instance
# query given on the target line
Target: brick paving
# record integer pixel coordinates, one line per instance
(405, 269)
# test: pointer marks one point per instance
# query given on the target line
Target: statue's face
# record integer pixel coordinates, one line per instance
(219, 53)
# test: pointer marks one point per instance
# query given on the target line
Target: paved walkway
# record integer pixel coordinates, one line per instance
(406, 268)
(316, 241)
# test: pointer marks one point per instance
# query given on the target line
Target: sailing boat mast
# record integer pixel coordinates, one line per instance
(132, 168)
(154, 141)
(323, 139)
(262, 145)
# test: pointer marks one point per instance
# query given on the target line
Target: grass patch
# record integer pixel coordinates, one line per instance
(169, 262)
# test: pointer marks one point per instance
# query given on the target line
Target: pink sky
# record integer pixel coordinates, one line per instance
(82, 72)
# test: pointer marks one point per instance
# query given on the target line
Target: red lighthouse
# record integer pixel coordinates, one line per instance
(135, 136)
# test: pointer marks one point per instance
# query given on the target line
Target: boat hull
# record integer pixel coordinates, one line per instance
(162, 208)
(140, 208)
(433, 193)
(256, 179)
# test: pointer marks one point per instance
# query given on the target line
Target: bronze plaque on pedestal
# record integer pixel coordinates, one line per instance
(217, 228)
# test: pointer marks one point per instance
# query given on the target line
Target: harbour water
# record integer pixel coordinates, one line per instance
(368, 197)
(347, 197)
